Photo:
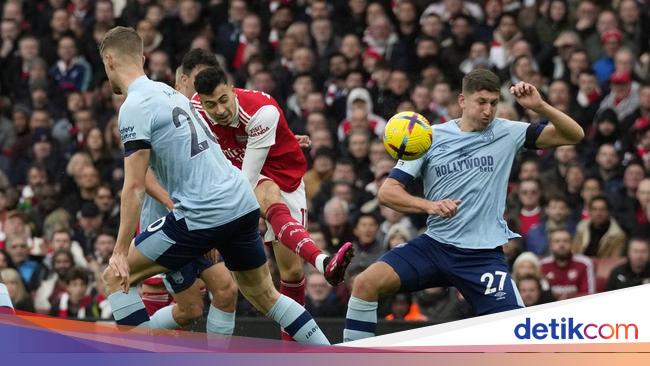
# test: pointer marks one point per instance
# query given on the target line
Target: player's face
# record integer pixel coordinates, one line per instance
(109, 67)
(479, 107)
(220, 105)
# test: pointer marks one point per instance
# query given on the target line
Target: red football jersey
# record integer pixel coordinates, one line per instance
(260, 123)
(576, 279)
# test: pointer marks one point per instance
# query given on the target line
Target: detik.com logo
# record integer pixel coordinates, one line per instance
(569, 328)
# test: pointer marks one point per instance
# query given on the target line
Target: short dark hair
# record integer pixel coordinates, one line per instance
(599, 198)
(363, 215)
(77, 273)
(208, 79)
(65, 252)
(196, 57)
(480, 79)
(559, 198)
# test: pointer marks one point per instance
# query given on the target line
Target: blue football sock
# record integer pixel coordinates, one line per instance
(163, 318)
(296, 321)
(128, 309)
(220, 322)
(361, 319)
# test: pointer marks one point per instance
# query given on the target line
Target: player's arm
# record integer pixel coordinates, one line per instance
(393, 194)
(562, 130)
(155, 190)
(135, 168)
(261, 136)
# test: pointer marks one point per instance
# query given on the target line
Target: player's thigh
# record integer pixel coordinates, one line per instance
(377, 280)
(267, 193)
(140, 266)
(240, 244)
(170, 243)
(483, 277)
(416, 264)
(296, 202)
(182, 279)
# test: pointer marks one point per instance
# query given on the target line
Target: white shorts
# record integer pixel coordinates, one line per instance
(297, 203)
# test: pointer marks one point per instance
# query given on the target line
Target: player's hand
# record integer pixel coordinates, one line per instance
(445, 208)
(304, 141)
(527, 95)
(120, 266)
(213, 256)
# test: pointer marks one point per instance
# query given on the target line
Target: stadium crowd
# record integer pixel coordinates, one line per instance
(340, 69)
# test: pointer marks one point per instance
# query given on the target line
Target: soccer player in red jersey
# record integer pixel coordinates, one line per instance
(251, 129)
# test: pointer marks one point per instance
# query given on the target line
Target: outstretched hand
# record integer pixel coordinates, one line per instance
(527, 95)
(304, 141)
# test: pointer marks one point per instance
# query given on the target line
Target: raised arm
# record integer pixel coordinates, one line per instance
(562, 130)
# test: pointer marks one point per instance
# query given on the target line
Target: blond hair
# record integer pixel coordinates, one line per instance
(11, 275)
(125, 40)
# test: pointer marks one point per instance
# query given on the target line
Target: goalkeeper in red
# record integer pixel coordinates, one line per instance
(253, 134)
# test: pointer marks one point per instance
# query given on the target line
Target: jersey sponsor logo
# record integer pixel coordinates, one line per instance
(483, 163)
(127, 133)
(234, 154)
(259, 131)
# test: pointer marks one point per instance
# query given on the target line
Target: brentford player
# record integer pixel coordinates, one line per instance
(253, 134)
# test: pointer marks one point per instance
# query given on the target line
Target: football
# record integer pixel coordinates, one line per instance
(407, 136)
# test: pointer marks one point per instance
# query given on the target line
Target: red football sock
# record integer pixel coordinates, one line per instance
(293, 235)
(296, 291)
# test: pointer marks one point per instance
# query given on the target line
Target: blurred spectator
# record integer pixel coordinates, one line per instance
(624, 200)
(71, 72)
(442, 304)
(624, 95)
(530, 199)
(320, 299)
(367, 249)
(530, 290)
(600, 235)
(18, 294)
(634, 272)
(569, 275)
(528, 264)
(402, 307)
(78, 301)
(557, 216)
(60, 239)
(31, 271)
(54, 285)
(90, 221)
(336, 229)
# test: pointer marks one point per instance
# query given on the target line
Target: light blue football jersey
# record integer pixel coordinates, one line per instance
(207, 190)
(473, 167)
(152, 210)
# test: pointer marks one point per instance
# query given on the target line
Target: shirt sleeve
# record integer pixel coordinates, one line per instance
(262, 127)
(135, 127)
(405, 171)
(525, 134)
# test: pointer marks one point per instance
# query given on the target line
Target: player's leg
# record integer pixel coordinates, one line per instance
(154, 294)
(483, 277)
(5, 300)
(257, 287)
(292, 277)
(408, 267)
(222, 287)
(243, 254)
(186, 289)
(286, 214)
(128, 308)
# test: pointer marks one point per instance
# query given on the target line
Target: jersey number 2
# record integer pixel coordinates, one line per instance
(196, 147)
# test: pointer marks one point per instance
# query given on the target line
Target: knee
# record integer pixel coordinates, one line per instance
(365, 287)
(111, 281)
(227, 292)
